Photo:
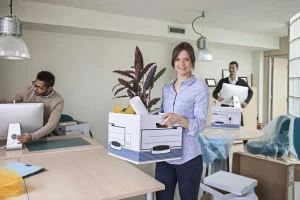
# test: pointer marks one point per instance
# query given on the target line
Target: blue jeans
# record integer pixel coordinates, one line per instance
(188, 176)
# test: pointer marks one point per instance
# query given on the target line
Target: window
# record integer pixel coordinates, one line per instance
(294, 67)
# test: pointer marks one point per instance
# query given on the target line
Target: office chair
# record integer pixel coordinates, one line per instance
(296, 135)
(278, 147)
(65, 118)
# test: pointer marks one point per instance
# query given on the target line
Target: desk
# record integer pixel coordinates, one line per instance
(87, 173)
(244, 133)
(26, 152)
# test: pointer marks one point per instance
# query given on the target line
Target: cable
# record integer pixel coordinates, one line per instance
(9, 144)
(10, 6)
(195, 20)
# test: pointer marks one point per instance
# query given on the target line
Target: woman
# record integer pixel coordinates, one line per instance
(185, 101)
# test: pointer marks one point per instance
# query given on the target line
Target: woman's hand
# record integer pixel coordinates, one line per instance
(170, 119)
(173, 118)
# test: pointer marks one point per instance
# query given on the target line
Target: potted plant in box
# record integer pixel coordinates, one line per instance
(141, 81)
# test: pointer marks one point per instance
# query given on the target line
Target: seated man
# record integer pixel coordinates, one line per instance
(41, 91)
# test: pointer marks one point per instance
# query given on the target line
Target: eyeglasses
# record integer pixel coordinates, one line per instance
(39, 88)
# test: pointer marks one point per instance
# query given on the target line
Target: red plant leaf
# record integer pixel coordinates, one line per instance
(124, 73)
(157, 76)
(130, 72)
(149, 79)
(135, 86)
(130, 82)
(138, 58)
(153, 102)
(137, 72)
(123, 96)
(130, 94)
(126, 84)
(119, 90)
(145, 70)
(115, 87)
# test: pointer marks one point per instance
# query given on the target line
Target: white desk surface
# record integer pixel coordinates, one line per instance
(240, 134)
(88, 173)
(24, 152)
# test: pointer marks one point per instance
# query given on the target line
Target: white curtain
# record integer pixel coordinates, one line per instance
(294, 67)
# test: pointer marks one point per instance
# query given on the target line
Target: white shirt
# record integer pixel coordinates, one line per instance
(233, 81)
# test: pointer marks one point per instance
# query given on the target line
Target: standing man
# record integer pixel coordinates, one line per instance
(41, 91)
(233, 79)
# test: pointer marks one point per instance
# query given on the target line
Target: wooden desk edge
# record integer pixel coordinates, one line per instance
(142, 192)
(49, 152)
(94, 145)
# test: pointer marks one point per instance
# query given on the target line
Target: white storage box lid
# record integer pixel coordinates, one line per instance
(233, 183)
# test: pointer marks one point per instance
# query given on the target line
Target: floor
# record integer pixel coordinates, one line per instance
(235, 148)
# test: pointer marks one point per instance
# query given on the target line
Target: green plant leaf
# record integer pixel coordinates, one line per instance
(123, 96)
(138, 58)
(119, 90)
(153, 102)
(124, 73)
(145, 70)
(126, 84)
(149, 79)
(158, 75)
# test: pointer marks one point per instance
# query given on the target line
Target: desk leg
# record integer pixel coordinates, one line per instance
(150, 196)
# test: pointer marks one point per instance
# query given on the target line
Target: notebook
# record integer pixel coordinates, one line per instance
(25, 170)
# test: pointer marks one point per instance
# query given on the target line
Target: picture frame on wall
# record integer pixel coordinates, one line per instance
(225, 73)
(244, 78)
(211, 82)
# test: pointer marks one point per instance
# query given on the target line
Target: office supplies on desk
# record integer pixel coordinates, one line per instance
(25, 170)
(56, 144)
(10, 183)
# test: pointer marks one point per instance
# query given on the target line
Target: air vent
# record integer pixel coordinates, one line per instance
(177, 30)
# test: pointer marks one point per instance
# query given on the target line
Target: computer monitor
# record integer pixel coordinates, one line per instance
(30, 116)
(230, 90)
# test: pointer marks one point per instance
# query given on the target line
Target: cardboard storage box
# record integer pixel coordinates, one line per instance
(228, 186)
(225, 117)
(291, 159)
(140, 138)
(72, 128)
(275, 178)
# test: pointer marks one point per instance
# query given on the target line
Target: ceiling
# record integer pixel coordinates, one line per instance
(268, 17)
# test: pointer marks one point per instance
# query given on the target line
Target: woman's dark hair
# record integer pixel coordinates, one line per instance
(234, 63)
(47, 77)
(183, 46)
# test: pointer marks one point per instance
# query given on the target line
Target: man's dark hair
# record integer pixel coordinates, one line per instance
(234, 63)
(183, 46)
(47, 77)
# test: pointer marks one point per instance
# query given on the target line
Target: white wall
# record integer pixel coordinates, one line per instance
(258, 80)
(221, 59)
